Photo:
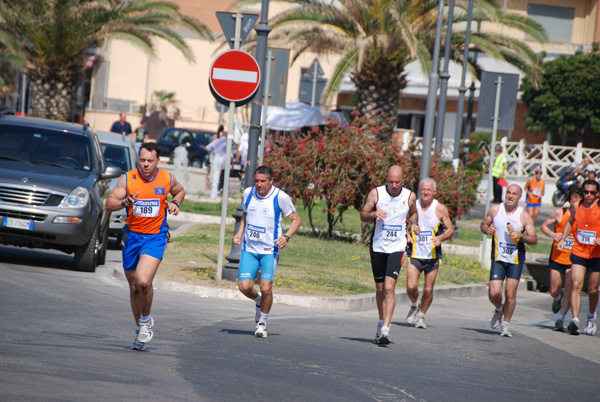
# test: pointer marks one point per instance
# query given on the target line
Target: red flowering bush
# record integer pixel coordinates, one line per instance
(341, 165)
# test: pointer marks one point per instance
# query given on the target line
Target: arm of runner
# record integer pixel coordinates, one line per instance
(413, 215)
(551, 220)
(178, 194)
(444, 216)
(528, 236)
(118, 197)
(296, 222)
(486, 224)
(368, 212)
(237, 238)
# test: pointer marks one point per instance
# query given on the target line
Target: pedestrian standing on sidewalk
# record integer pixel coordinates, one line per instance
(263, 240)
(425, 250)
(511, 227)
(585, 254)
(143, 193)
(389, 206)
(560, 260)
(535, 188)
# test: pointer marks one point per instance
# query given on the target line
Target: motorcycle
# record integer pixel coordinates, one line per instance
(565, 181)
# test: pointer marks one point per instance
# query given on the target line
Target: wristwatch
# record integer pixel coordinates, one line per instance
(123, 201)
(287, 238)
(176, 203)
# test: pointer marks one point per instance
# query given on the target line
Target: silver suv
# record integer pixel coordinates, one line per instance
(52, 182)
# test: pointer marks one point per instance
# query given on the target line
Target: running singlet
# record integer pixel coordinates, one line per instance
(536, 188)
(263, 219)
(429, 226)
(562, 257)
(389, 235)
(148, 214)
(504, 248)
(585, 231)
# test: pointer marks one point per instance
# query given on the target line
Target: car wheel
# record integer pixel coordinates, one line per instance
(86, 256)
(196, 162)
(103, 246)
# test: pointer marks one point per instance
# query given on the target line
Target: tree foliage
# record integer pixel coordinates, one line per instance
(342, 164)
(568, 97)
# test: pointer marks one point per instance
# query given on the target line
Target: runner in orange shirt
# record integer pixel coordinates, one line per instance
(585, 255)
(560, 260)
(535, 189)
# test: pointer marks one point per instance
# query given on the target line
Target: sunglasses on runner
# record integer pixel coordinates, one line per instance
(589, 192)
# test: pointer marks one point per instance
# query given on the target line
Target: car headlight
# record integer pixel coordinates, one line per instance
(78, 198)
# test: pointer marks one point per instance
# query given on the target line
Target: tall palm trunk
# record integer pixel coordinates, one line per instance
(378, 88)
(52, 92)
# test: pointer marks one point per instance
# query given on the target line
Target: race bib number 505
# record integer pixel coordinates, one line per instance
(146, 208)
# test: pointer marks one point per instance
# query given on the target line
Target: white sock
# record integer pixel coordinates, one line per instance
(257, 300)
(575, 320)
(590, 315)
(263, 318)
(421, 315)
(505, 323)
(501, 309)
(415, 304)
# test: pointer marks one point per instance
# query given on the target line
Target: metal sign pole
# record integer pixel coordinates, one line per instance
(263, 127)
(230, 127)
(313, 99)
(484, 250)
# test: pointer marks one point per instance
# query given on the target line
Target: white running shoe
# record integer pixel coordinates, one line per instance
(590, 328)
(137, 345)
(257, 315)
(411, 318)
(378, 333)
(420, 321)
(506, 331)
(384, 338)
(496, 318)
(146, 330)
(261, 330)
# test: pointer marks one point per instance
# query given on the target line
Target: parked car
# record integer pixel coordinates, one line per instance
(52, 180)
(118, 151)
(194, 141)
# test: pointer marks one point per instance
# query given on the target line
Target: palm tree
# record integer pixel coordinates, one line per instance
(376, 39)
(49, 38)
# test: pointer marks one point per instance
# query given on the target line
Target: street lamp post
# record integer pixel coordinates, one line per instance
(445, 76)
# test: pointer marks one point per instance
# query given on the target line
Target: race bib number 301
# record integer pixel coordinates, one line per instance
(586, 237)
(424, 237)
(146, 208)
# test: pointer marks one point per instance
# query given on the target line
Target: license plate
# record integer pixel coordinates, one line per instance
(17, 223)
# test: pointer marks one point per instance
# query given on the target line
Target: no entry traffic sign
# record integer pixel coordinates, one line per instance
(234, 77)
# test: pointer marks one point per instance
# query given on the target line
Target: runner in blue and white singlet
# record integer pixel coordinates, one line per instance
(263, 219)
(429, 225)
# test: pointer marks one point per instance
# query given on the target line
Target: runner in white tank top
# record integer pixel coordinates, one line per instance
(425, 251)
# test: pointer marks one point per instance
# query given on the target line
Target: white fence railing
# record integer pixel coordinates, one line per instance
(524, 158)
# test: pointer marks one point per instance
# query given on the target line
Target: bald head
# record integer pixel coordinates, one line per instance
(395, 177)
(515, 188)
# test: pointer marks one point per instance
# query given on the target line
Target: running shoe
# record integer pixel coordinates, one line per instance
(261, 330)
(384, 338)
(558, 325)
(506, 331)
(146, 330)
(496, 318)
(556, 303)
(573, 328)
(411, 318)
(420, 322)
(590, 328)
(257, 315)
(137, 345)
(378, 333)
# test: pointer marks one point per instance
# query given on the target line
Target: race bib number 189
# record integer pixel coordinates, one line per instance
(146, 208)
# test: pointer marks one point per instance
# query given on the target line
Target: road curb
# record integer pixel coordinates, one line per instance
(363, 302)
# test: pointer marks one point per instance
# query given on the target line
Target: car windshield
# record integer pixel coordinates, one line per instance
(47, 147)
(117, 155)
(202, 137)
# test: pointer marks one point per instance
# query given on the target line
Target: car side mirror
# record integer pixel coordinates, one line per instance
(111, 172)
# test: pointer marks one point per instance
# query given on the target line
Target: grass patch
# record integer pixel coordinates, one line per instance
(308, 266)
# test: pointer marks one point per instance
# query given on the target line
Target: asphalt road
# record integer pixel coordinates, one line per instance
(65, 335)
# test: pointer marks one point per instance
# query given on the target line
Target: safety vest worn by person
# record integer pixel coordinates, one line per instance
(536, 188)
(148, 215)
(429, 227)
(585, 231)
(504, 248)
(389, 235)
(562, 257)
(498, 166)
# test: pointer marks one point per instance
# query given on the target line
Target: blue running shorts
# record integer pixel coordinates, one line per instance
(250, 262)
(136, 244)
